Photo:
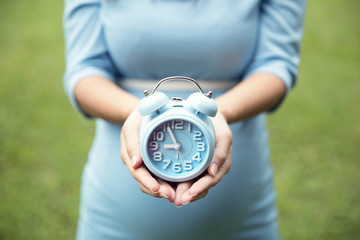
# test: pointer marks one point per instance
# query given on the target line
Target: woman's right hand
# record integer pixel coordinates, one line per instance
(131, 156)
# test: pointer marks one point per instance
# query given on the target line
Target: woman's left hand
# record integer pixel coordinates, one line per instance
(191, 191)
(131, 156)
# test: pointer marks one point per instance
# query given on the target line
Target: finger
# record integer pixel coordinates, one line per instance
(201, 185)
(199, 196)
(134, 161)
(123, 152)
(131, 145)
(143, 176)
(187, 197)
(208, 181)
(180, 190)
(225, 167)
(166, 190)
(222, 151)
(147, 191)
(164, 187)
(140, 173)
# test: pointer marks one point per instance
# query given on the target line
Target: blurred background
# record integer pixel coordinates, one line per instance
(315, 136)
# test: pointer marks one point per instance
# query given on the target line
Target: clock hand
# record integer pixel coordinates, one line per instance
(171, 135)
(177, 145)
(177, 148)
(178, 152)
(170, 146)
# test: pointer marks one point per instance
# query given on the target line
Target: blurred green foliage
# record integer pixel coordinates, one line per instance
(315, 136)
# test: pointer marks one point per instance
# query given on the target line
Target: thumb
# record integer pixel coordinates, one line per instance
(130, 150)
(130, 142)
(136, 161)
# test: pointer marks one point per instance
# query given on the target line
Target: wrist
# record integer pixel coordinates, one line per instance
(127, 107)
(99, 97)
(226, 111)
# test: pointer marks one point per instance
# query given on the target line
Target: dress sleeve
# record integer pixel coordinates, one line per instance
(86, 52)
(279, 37)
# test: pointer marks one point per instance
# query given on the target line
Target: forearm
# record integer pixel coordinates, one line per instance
(99, 97)
(258, 93)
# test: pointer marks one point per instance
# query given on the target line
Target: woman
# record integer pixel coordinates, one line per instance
(113, 45)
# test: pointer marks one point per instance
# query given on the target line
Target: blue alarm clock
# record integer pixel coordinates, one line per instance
(177, 138)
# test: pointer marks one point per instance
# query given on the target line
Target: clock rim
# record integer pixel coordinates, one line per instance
(204, 127)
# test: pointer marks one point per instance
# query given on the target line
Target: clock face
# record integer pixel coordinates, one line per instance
(178, 150)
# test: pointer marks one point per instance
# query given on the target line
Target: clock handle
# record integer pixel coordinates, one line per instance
(200, 101)
(177, 78)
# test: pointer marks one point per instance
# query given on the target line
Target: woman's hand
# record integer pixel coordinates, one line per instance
(131, 156)
(181, 193)
(191, 191)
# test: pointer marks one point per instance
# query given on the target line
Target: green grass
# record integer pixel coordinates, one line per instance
(315, 136)
(43, 143)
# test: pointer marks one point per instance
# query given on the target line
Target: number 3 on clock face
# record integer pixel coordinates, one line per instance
(178, 148)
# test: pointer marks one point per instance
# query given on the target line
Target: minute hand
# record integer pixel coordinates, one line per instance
(177, 145)
(171, 135)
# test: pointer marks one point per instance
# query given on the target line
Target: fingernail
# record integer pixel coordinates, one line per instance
(163, 195)
(133, 161)
(214, 169)
(184, 203)
(186, 198)
(178, 206)
(194, 194)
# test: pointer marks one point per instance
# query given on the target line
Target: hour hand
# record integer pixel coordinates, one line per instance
(170, 146)
(176, 146)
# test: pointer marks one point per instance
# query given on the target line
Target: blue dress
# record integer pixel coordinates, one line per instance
(203, 39)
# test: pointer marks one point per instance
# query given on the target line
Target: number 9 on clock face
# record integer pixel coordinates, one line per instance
(177, 150)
